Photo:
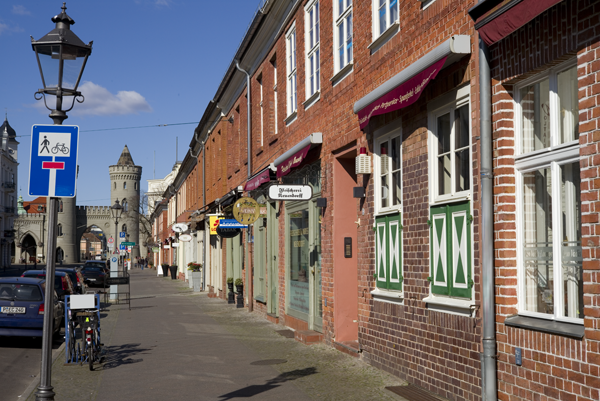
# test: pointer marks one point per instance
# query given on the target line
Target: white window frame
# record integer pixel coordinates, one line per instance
(312, 60)
(553, 157)
(390, 25)
(382, 135)
(262, 120)
(436, 108)
(292, 77)
(341, 18)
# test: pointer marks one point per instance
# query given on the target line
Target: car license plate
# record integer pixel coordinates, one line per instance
(92, 279)
(13, 309)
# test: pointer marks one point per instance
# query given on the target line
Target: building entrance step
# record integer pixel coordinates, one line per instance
(308, 337)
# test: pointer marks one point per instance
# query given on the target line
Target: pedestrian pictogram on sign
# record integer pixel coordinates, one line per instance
(53, 161)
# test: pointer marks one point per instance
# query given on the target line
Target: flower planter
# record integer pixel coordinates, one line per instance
(240, 296)
(165, 269)
(196, 277)
(230, 295)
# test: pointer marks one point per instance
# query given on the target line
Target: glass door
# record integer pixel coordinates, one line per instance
(317, 298)
(298, 262)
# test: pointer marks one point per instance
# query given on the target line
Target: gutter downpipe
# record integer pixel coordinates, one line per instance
(250, 284)
(488, 357)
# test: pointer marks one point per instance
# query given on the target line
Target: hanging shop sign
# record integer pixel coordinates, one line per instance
(258, 180)
(290, 192)
(214, 223)
(263, 211)
(180, 227)
(185, 237)
(167, 246)
(155, 250)
(246, 210)
(225, 232)
(175, 245)
(231, 223)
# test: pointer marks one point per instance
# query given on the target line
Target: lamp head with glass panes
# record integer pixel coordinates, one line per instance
(61, 58)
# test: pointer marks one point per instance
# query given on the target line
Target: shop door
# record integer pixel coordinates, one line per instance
(304, 264)
(272, 258)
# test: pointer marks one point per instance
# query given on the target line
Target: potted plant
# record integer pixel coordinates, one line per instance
(230, 294)
(165, 269)
(195, 275)
(239, 287)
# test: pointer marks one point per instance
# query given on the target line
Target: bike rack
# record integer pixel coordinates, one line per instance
(73, 303)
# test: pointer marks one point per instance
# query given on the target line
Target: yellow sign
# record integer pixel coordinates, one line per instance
(214, 223)
(246, 210)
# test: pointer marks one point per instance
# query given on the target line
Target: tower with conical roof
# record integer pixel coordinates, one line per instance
(125, 179)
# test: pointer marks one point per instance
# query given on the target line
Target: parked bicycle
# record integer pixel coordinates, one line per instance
(82, 311)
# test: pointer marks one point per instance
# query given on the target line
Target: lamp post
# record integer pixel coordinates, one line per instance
(61, 58)
(116, 210)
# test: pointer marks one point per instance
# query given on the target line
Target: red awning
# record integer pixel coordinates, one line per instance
(402, 96)
(286, 166)
(508, 16)
(258, 180)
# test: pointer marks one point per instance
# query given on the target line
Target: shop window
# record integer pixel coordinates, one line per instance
(450, 219)
(342, 33)
(292, 95)
(549, 231)
(388, 200)
(312, 42)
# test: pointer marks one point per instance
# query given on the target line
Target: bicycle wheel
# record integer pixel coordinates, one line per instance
(65, 150)
(54, 150)
(71, 342)
(91, 356)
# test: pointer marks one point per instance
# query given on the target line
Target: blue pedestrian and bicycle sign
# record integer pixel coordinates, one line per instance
(53, 160)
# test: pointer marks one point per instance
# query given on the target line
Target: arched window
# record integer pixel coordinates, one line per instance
(125, 185)
(135, 186)
(124, 228)
(60, 206)
(115, 185)
(59, 230)
(125, 205)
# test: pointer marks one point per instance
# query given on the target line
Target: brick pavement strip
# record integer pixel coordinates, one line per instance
(319, 371)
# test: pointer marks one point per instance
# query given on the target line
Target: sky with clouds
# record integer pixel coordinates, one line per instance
(153, 62)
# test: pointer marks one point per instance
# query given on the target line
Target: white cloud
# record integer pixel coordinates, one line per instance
(6, 28)
(20, 10)
(100, 102)
(3, 27)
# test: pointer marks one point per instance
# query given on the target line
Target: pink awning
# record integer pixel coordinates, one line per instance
(286, 166)
(402, 96)
(501, 21)
(258, 180)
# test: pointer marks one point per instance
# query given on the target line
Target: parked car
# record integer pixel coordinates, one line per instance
(97, 263)
(62, 284)
(22, 307)
(75, 276)
(94, 275)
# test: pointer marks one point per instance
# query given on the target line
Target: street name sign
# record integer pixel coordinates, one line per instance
(53, 160)
(128, 243)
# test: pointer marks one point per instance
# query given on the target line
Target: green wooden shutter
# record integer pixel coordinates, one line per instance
(394, 227)
(388, 252)
(381, 251)
(461, 250)
(439, 251)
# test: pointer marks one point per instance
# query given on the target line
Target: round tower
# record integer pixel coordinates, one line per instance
(125, 179)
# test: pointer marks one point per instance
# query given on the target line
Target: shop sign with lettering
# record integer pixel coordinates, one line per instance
(290, 192)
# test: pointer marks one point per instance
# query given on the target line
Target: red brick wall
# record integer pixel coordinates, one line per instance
(554, 367)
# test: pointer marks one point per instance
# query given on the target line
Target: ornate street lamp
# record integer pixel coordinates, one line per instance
(61, 57)
(116, 211)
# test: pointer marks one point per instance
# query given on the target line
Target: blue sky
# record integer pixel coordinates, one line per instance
(153, 62)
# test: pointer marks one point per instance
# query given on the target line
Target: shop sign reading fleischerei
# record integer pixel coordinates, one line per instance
(290, 192)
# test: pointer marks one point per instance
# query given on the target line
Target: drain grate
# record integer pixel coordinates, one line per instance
(269, 362)
(412, 393)
(286, 333)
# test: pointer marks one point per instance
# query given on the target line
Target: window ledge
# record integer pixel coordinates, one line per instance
(454, 306)
(446, 199)
(341, 74)
(389, 33)
(314, 98)
(291, 118)
(546, 326)
(396, 297)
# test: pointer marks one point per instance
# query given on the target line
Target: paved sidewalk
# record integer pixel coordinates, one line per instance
(175, 344)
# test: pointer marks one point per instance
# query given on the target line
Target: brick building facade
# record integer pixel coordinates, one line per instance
(386, 265)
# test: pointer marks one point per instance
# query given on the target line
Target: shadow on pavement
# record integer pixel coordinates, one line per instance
(251, 391)
(121, 355)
